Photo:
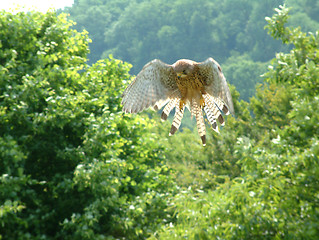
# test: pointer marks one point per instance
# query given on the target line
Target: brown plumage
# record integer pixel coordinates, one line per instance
(185, 83)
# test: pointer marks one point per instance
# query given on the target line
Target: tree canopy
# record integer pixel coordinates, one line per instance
(74, 166)
(275, 194)
(139, 31)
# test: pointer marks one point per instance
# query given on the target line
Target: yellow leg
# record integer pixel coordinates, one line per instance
(181, 104)
(202, 102)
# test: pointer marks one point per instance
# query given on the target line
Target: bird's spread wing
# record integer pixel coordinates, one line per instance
(152, 86)
(215, 82)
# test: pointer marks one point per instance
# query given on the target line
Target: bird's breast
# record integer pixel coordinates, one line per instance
(190, 84)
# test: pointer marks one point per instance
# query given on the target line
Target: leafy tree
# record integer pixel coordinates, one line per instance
(253, 39)
(309, 9)
(181, 29)
(244, 73)
(139, 31)
(96, 17)
(275, 196)
(161, 29)
(40, 57)
(72, 165)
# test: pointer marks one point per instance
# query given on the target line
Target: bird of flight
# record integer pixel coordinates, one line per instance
(196, 85)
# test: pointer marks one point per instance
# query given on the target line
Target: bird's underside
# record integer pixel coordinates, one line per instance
(197, 86)
(196, 105)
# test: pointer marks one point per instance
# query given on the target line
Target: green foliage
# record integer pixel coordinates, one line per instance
(170, 31)
(72, 165)
(40, 58)
(276, 194)
(139, 31)
(207, 167)
(276, 24)
(244, 73)
(123, 175)
(303, 13)
(96, 17)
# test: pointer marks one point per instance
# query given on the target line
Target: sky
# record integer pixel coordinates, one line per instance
(41, 5)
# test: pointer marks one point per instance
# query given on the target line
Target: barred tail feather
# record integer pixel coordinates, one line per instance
(179, 113)
(168, 108)
(221, 105)
(213, 109)
(197, 111)
(211, 117)
(158, 105)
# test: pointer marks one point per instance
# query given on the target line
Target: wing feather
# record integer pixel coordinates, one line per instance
(151, 87)
(216, 84)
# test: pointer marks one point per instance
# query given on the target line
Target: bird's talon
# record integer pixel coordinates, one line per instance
(202, 102)
(181, 105)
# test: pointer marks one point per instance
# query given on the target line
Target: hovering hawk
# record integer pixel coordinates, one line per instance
(185, 83)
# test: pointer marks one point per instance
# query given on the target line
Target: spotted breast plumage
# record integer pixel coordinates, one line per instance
(185, 83)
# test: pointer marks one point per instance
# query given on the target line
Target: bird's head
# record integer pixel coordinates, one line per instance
(183, 67)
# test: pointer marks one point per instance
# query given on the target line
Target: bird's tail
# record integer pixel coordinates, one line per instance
(168, 108)
(213, 107)
(179, 113)
(197, 112)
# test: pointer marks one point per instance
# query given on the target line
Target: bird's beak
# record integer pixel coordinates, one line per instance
(180, 75)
